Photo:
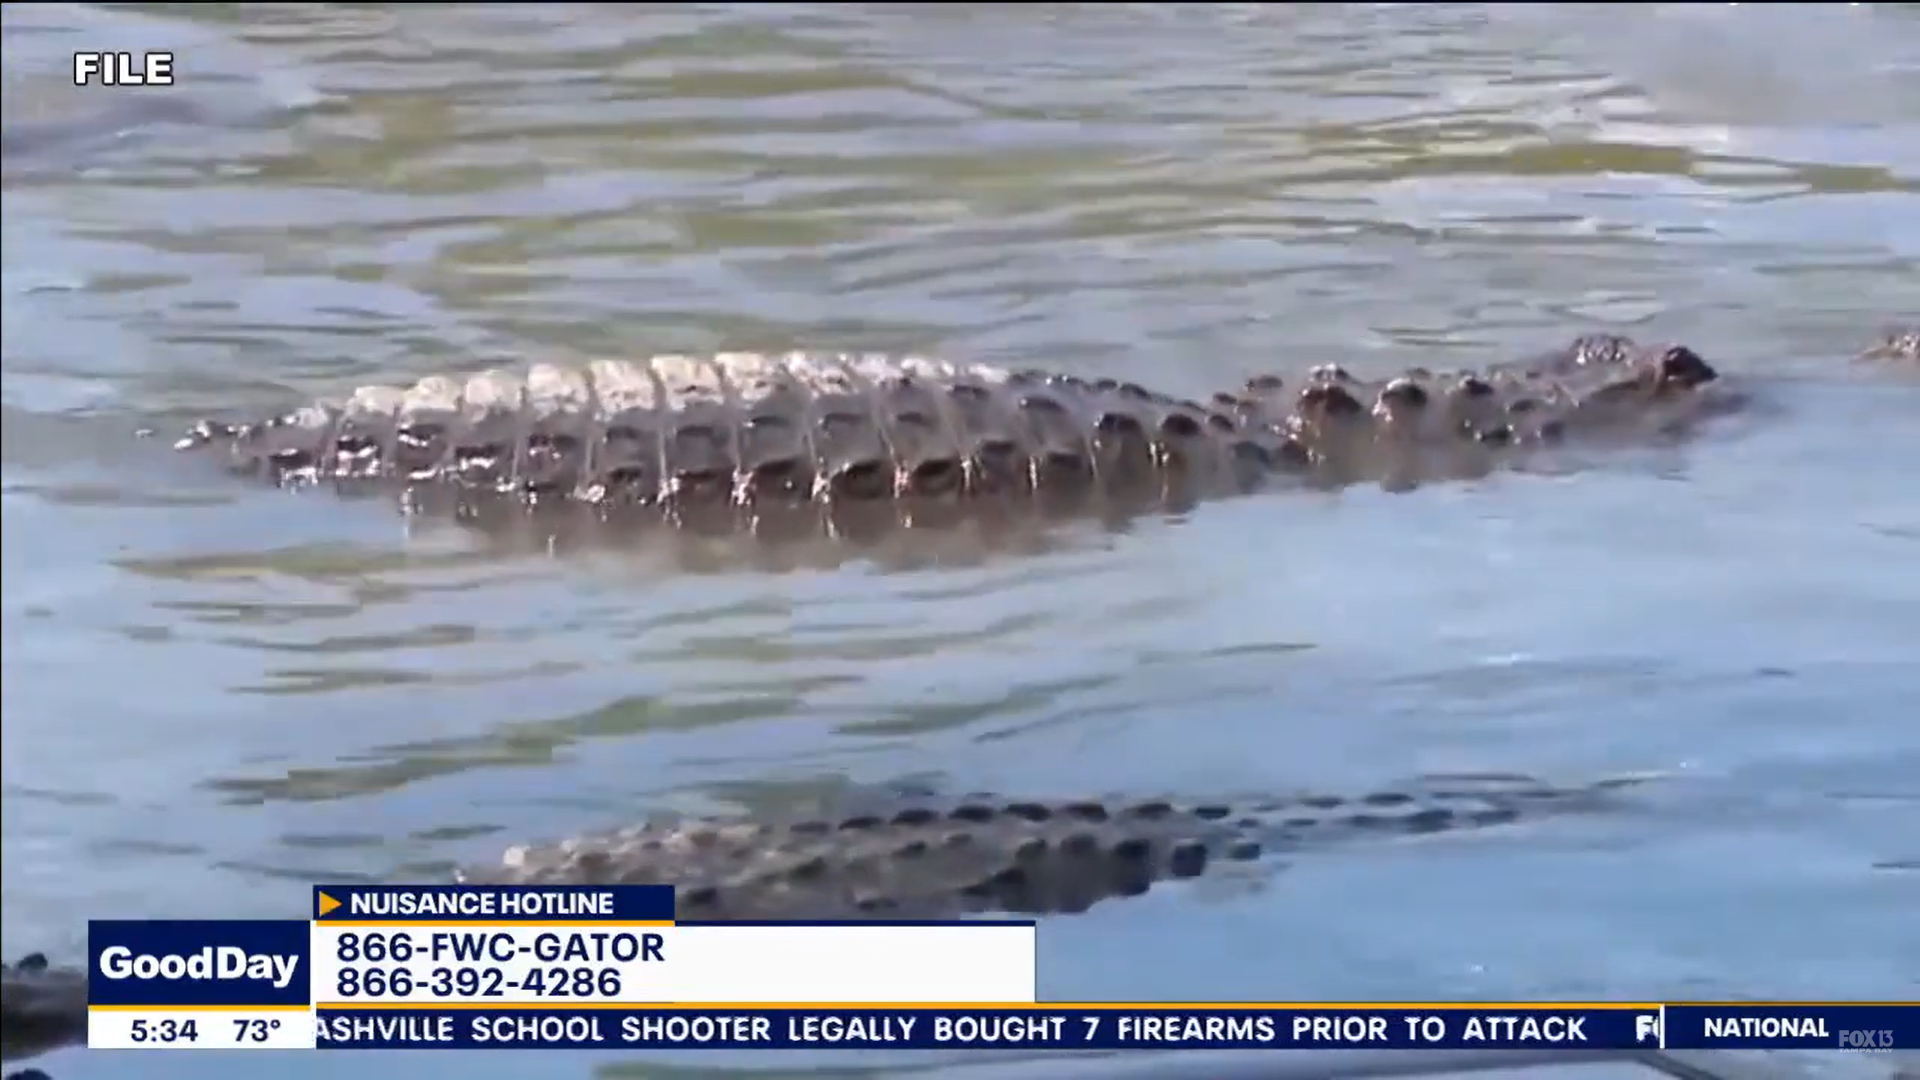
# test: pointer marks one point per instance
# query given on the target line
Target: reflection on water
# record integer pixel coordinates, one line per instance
(223, 691)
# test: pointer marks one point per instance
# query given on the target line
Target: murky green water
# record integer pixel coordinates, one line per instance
(218, 694)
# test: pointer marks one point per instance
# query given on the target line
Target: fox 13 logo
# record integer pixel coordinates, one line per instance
(122, 69)
(1867, 1041)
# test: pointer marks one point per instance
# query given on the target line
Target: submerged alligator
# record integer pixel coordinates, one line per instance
(916, 855)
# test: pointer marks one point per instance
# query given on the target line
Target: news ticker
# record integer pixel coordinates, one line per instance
(546, 967)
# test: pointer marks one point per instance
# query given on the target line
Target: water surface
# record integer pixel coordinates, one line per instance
(220, 694)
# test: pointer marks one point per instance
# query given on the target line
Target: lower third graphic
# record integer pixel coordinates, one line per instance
(204, 985)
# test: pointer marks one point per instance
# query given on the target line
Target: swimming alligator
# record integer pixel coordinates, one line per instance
(819, 446)
(917, 855)
(808, 446)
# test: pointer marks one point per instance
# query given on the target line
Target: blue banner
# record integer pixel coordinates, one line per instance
(494, 904)
(1887, 1026)
(1131, 1027)
(1035, 1027)
(235, 962)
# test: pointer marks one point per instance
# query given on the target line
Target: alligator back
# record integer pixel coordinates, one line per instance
(806, 445)
(921, 856)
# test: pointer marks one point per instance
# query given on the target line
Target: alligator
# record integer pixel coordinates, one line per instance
(915, 854)
(838, 447)
(809, 446)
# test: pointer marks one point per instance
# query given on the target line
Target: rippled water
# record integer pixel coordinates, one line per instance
(220, 693)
